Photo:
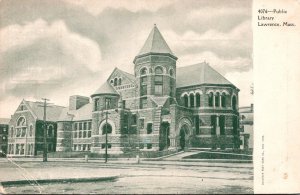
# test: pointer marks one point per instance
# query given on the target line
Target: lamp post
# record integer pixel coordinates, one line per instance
(106, 116)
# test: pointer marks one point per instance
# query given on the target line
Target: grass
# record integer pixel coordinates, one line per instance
(219, 155)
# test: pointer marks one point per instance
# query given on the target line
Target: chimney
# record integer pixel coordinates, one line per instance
(77, 101)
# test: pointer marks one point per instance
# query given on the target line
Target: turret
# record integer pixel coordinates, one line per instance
(155, 68)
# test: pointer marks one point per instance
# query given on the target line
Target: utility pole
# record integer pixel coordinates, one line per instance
(106, 116)
(45, 131)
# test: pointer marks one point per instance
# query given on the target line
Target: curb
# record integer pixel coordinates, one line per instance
(64, 180)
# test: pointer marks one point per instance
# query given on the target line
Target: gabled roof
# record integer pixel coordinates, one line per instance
(105, 88)
(83, 113)
(4, 121)
(155, 43)
(130, 77)
(52, 111)
(198, 74)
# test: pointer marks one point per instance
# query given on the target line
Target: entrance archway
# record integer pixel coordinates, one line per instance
(183, 136)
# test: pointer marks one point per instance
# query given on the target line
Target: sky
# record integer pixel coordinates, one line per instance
(59, 48)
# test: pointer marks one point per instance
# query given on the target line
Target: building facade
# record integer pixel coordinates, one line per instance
(3, 136)
(246, 127)
(26, 129)
(160, 106)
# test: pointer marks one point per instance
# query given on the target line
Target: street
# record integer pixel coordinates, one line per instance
(147, 177)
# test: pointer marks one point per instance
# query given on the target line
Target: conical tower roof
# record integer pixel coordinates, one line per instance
(105, 88)
(155, 43)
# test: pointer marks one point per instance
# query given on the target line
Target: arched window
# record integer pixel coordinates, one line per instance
(192, 98)
(111, 81)
(186, 100)
(210, 99)
(217, 99)
(158, 70)
(197, 100)
(106, 127)
(158, 81)
(120, 81)
(115, 81)
(143, 71)
(223, 100)
(234, 103)
(21, 122)
(171, 72)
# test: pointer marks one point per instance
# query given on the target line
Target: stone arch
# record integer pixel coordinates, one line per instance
(185, 132)
(111, 123)
(157, 68)
(21, 121)
(143, 71)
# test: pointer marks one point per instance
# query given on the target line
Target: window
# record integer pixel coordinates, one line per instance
(30, 130)
(223, 100)
(158, 89)
(102, 146)
(222, 124)
(172, 87)
(192, 98)
(197, 100)
(84, 147)
(186, 101)
(80, 126)
(84, 134)
(75, 147)
(143, 103)
(120, 81)
(134, 119)
(213, 124)
(89, 133)
(21, 122)
(106, 128)
(149, 128)
(24, 129)
(149, 146)
(80, 134)
(75, 134)
(96, 104)
(158, 70)
(234, 103)
(158, 81)
(89, 147)
(171, 72)
(141, 122)
(108, 103)
(143, 71)
(123, 104)
(79, 147)
(112, 82)
(197, 125)
(115, 81)
(217, 99)
(89, 125)
(143, 90)
(210, 99)
(75, 126)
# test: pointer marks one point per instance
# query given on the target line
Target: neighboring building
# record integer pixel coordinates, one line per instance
(158, 107)
(3, 136)
(26, 128)
(246, 127)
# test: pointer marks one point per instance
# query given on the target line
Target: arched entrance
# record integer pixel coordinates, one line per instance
(184, 134)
